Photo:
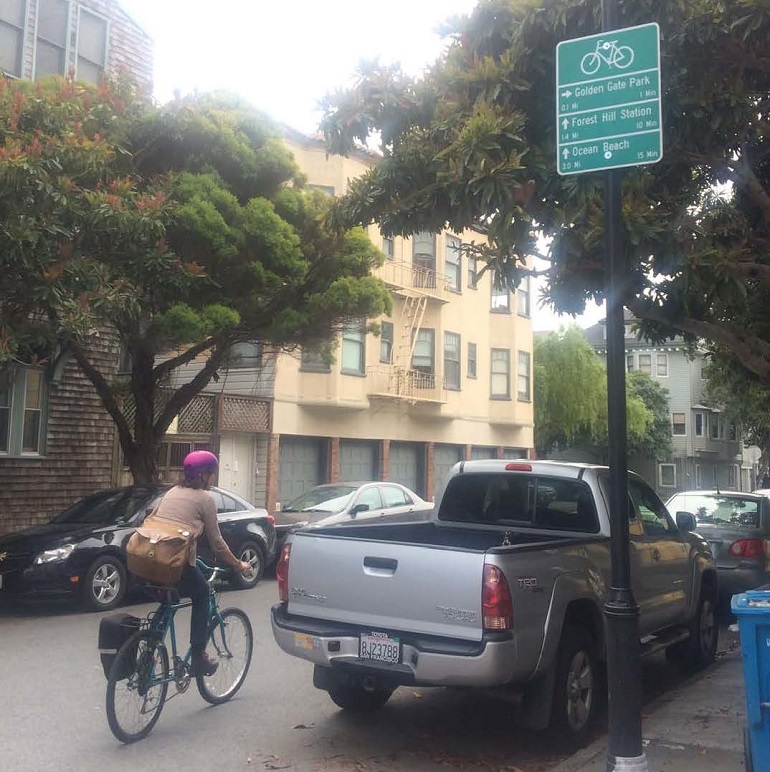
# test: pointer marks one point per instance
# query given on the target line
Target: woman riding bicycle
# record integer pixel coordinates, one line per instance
(190, 504)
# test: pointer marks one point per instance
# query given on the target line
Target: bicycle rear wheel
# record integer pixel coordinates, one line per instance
(230, 643)
(137, 686)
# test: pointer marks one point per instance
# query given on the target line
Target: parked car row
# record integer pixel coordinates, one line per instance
(82, 551)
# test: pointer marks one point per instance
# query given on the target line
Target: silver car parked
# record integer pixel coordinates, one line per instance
(737, 526)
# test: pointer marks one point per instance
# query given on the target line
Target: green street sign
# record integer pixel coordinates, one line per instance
(608, 110)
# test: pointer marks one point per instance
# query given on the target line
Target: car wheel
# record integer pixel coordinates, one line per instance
(576, 688)
(701, 647)
(250, 552)
(105, 583)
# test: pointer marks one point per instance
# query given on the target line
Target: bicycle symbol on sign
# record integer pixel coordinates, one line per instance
(609, 52)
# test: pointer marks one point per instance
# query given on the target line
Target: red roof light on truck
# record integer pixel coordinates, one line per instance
(496, 601)
(517, 466)
(282, 573)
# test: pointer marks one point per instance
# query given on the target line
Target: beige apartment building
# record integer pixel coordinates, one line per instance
(449, 378)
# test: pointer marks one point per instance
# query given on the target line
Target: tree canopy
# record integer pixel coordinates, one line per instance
(472, 143)
(569, 417)
(185, 228)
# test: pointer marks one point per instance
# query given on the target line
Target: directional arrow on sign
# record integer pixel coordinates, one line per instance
(565, 153)
(566, 94)
(565, 124)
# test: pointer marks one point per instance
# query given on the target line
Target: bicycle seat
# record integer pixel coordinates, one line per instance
(168, 596)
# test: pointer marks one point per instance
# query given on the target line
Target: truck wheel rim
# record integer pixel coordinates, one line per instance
(106, 583)
(580, 690)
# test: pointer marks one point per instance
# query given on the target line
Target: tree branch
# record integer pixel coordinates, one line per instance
(744, 177)
(161, 370)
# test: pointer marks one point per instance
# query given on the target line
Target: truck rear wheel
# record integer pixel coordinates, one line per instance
(576, 688)
(700, 648)
(353, 695)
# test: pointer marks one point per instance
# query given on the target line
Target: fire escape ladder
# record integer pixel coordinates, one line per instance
(412, 315)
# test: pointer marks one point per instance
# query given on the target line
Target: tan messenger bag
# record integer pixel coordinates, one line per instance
(158, 551)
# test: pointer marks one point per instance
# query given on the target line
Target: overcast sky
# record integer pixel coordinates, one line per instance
(285, 55)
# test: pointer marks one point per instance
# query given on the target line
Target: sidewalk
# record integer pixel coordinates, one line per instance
(697, 727)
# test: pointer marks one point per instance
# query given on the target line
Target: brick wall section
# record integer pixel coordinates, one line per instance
(333, 471)
(130, 48)
(384, 459)
(271, 474)
(78, 449)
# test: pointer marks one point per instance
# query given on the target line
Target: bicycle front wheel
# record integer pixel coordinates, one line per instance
(230, 643)
(137, 686)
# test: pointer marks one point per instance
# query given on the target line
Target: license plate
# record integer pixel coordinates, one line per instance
(380, 647)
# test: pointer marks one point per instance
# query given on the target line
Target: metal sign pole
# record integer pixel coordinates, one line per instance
(622, 613)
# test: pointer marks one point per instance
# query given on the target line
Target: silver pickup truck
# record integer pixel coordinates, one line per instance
(503, 589)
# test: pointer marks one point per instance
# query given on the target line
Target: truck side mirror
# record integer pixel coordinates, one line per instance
(359, 508)
(685, 521)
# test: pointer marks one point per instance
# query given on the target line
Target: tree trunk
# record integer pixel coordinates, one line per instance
(143, 456)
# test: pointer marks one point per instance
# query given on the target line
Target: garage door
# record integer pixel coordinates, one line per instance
(478, 452)
(444, 458)
(405, 465)
(301, 465)
(358, 460)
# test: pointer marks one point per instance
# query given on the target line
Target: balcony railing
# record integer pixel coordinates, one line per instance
(409, 385)
(425, 281)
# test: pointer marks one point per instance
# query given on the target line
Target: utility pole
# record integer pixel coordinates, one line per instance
(625, 752)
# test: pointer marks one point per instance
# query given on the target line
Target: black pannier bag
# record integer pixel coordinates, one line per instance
(114, 630)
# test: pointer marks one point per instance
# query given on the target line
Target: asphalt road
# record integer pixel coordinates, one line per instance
(53, 715)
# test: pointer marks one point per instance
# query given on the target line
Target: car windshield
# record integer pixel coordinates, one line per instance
(107, 507)
(328, 498)
(717, 509)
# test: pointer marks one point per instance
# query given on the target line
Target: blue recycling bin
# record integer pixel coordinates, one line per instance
(752, 610)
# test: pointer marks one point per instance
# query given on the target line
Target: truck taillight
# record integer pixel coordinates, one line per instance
(282, 573)
(496, 601)
(747, 548)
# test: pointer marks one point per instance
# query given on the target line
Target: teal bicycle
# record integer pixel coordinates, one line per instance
(144, 666)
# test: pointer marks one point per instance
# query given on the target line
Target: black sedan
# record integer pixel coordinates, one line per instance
(82, 551)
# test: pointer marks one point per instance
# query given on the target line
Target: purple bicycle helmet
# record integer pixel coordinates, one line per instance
(199, 461)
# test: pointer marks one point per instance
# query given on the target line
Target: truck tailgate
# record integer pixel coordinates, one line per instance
(387, 586)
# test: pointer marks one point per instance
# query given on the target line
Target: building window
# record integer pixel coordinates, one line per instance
(245, 355)
(522, 298)
(51, 41)
(699, 422)
(522, 381)
(388, 246)
(698, 476)
(452, 360)
(452, 263)
(423, 358)
(630, 363)
(424, 259)
(354, 348)
(92, 47)
(386, 342)
(662, 365)
(472, 360)
(645, 363)
(315, 360)
(732, 432)
(473, 273)
(12, 17)
(667, 475)
(22, 402)
(731, 476)
(500, 383)
(716, 427)
(678, 424)
(501, 297)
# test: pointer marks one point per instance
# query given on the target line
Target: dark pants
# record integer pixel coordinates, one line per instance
(193, 585)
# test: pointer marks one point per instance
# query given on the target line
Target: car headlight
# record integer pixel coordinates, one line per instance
(54, 555)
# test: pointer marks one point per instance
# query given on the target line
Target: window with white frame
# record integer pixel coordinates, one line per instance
(501, 297)
(523, 393)
(731, 476)
(645, 363)
(522, 298)
(424, 356)
(678, 424)
(424, 259)
(22, 403)
(388, 246)
(667, 475)
(51, 41)
(13, 15)
(715, 424)
(630, 366)
(452, 263)
(452, 360)
(500, 382)
(473, 273)
(472, 364)
(354, 348)
(661, 367)
(700, 424)
(386, 342)
(93, 32)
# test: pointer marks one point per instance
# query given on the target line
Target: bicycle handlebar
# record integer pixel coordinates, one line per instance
(206, 567)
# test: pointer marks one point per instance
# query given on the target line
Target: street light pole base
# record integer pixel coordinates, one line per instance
(623, 764)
